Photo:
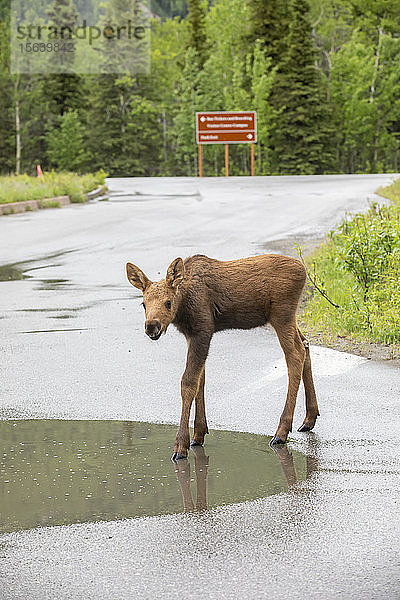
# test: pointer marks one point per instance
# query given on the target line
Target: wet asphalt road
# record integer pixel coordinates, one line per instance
(73, 347)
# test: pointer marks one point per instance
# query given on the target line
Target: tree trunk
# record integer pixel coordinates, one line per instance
(376, 67)
(17, 130)
(164, 122)
(123, 111)
(329, 63)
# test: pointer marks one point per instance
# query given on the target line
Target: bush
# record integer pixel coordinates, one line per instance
(359, 269)
(385, 303)
(364, 244)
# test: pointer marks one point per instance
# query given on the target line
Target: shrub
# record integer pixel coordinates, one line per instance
(359, 269)
(385, 302)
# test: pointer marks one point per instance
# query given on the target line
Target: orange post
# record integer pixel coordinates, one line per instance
(226, 160)
(252, 160)
(200, 160)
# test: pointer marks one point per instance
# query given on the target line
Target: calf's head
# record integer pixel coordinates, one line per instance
(160, 298)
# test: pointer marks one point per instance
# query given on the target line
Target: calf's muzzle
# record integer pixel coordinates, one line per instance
(153, 329)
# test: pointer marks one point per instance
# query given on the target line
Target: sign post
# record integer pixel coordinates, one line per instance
(200, 160)
(223, 127)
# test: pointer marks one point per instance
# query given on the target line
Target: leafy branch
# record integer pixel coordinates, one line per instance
(313, 279)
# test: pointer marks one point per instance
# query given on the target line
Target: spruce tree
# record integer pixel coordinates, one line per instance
(124, 131)
(268, 22)
(108, 119)
(63, 90)
(66, 145)
(197, 31)
(190, 89)
(191, 100)
(169, 8)
(303, 136)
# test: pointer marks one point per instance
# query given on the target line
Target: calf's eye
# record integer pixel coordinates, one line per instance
(168, 304)
(144, 306)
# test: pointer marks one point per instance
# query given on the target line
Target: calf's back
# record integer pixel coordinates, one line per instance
(239, 294)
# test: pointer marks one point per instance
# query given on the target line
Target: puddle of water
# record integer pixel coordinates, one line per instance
(53, 284)
(140, 197)
(65, 330)
(119, 194)
(12, 273)
(50, 310)
(53, 313)
(17, 271)
(55, 472)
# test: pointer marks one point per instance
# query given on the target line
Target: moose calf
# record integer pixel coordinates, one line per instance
(201, 296)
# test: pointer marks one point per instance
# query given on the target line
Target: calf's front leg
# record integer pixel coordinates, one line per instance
(196, 357)
(200, 421)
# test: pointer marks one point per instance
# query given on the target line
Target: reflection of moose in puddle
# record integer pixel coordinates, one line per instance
(201, 464)
(182, 470)
(57, 472)
(287, 463)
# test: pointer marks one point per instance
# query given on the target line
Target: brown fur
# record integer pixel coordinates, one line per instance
(201, 296)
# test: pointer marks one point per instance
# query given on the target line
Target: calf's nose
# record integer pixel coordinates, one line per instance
(153, 328)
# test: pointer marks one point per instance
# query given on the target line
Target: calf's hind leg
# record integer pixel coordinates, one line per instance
(293, 348)
(312, 411)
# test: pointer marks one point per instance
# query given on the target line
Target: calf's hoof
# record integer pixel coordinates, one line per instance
(304, 427)
(276, 440)
(177, 456)
(195, 443)
(308, 425)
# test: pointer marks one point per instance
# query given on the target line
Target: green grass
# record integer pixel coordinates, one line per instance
(358, 267)
(49, 204)
(17, 188)
(392, 192)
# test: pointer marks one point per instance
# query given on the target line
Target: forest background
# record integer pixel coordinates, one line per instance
(323, 76)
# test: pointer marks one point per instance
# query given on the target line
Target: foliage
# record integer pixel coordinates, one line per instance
(392, 192)
(191, 101)
(197, 30)
(7, 134)
(66, 147)
(62, 91)
(169, 8)
(385, 302)
(23, 187)
(303, 134)
(325, 84)
(123, 125)
(359, 57)
(364, 245)
(358, 267)
(268, 22)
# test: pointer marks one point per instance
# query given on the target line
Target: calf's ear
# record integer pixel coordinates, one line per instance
(136, 277)
(175, 273)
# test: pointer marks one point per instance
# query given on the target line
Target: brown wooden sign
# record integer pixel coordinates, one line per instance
(226, 127)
